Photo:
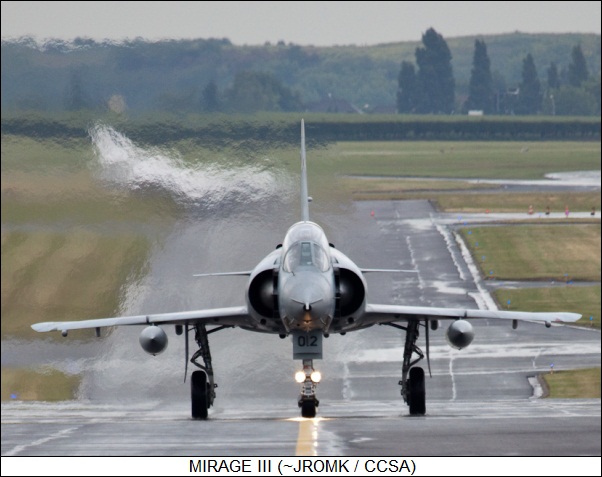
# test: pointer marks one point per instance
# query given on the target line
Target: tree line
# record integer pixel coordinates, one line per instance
(213, 75)
(430, 89)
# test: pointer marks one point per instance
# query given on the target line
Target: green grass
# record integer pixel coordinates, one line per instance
(77, 274)
(41, 384)
(465, 197)
(519, 202)
(581, 383)
(462, 159)
(575, 299)
(531, 252)
(75, 198)
(28, 154)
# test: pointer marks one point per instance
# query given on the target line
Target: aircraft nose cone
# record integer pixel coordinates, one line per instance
(307, 301)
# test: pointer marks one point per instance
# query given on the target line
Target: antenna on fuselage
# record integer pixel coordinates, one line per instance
(305, 199)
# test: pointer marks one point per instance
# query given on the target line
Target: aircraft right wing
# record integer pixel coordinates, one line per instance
(231, 316)
(391, 313)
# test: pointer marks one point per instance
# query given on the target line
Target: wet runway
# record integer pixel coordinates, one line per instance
(368, 428)
(479, 400)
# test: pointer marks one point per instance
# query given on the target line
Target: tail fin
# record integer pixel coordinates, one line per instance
(305, 199)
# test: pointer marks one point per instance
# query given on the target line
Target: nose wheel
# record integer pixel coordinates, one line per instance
(308, 378)
(308, 408)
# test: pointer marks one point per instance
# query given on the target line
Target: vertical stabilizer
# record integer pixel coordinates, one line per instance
(304, 195)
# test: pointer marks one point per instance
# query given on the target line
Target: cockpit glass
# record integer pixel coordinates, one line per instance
(305, 254)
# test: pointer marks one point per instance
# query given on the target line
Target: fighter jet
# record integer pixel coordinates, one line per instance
(306, 289)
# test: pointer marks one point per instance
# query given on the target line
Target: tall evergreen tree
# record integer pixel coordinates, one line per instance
(529, 94)
(76, 98)
(210, 98)
(480, 96)
(553, 78)
(435, 76)
(407, 91)
(577, 73)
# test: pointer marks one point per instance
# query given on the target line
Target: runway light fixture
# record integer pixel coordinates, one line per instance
(299, 376)
(316, 376)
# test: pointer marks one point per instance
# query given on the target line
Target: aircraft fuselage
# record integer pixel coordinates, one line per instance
(306, 283)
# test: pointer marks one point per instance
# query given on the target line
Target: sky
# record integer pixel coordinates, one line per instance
(302, 23)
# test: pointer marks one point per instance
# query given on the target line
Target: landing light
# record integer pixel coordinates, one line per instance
(299, 376)
(316, 376)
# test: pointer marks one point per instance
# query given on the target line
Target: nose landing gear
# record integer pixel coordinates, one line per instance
(308, 378)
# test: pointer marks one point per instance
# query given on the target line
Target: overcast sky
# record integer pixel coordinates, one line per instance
(303, 23)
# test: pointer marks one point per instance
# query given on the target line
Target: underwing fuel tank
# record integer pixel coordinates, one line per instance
(460, 334)
(153, 340)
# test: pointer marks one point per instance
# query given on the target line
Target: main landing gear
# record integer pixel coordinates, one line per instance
(202, 385)
(412, 378)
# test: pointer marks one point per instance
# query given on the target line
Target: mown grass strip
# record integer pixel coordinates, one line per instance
(578, 383)
(530, 252)
(40, 384)
(575, 299)
(462, 159)
(73, 275)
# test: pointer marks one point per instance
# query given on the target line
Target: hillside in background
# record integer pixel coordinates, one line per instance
(140, 76)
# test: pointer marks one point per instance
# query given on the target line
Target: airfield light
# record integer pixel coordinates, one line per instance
(299, 376)
(316, 376)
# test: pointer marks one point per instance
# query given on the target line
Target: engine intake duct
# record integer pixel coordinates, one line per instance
(351, 292)
(261, 293)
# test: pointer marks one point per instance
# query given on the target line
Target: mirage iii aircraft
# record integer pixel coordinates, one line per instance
(306, 289)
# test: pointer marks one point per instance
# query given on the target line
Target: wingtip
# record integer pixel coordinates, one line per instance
(575, 316)
(567, 317)
(42, 327)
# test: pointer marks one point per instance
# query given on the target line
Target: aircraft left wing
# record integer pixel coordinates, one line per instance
(390, 313)
(231, 316)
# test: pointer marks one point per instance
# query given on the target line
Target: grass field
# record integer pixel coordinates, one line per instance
(576, 299)
(582, 383)
(42, 384)
(532, 252)
(469, 160)
(465, 197)
(74, 274)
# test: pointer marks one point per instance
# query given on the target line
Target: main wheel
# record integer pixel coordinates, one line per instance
(308, 408)
(417, 398)
(199, 395)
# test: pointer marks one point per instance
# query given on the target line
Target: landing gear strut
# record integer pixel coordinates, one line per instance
(202, 384)
(307, 400)
(412, 378)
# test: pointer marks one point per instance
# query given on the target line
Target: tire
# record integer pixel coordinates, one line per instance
(199, 395)
(417, 399)
(308, 409)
